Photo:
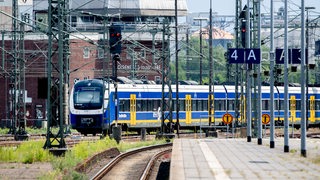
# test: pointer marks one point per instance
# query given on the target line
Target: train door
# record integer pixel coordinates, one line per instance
(312, 109)
(243, 109)
(211, 108)
(133, 115)
(293, 109)
(188, 109)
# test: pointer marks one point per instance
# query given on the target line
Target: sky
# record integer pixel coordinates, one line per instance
(227, 7)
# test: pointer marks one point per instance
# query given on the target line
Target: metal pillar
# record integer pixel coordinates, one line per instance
(166, 100)
(177, 67)
(272, 59)
(248, 76)
(237, 29)
(286, 98)
(57, 32)
(304, 116)
(21, 134)
(259, 103)
(200, 34)
(17, 77)
(211, 77)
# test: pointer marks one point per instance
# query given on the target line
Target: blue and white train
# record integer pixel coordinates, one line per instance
(92, 108)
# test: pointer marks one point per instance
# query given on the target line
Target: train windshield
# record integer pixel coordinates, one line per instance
(88, 98)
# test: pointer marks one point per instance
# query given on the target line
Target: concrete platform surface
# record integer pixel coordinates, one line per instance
(239, 159)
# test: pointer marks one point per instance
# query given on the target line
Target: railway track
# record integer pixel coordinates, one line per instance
(135, 164)
(8, 140)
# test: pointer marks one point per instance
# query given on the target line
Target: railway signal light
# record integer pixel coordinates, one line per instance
(115, 39)
(243, 33)
(243, 27)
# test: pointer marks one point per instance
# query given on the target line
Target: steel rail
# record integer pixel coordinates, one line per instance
(107, 168)
(151, 163)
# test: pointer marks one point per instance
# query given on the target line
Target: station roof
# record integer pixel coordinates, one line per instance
(124, 7)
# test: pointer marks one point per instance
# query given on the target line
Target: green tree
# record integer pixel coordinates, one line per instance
(193, 62)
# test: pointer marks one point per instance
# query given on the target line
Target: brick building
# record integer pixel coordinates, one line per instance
(140, 57)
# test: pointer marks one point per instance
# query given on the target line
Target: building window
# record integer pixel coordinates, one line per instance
(100, 53)
(86, 52)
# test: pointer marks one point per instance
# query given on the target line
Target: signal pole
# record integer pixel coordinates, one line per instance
(115, 51)
(272, 59)
(177, 67)
(211, 77)
(304, 118)
(248, 74)
(286, 108)
(259, 114)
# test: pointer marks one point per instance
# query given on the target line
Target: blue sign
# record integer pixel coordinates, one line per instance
(236, 55)
(253, 56)
(294, 56)
(249, 56)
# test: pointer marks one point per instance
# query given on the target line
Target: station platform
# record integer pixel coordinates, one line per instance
(235, 158)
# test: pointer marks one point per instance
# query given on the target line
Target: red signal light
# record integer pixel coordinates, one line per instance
(243, 30)
(118, 34)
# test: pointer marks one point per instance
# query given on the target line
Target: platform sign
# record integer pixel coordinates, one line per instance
(265, 119)
(294, 56)
(249, 56)
(253, 56)
(235, 56)
(227, 118)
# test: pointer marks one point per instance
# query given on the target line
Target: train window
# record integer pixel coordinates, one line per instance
(298, 104)
(205, 105)
(174, 105)
(265, 105)
(199, 105)
(231, 104)
(276, 104)
(156, 105)
(138, 105)
(182, 105)
(124, 105)
(219, 105)
(149, 105)
(279, 104)
(194, 105)
(317, 104)
(144, 105)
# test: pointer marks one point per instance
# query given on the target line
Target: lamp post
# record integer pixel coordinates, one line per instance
(200, 34)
